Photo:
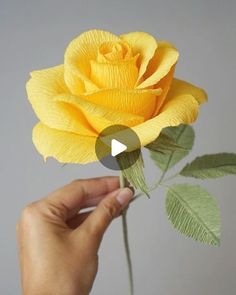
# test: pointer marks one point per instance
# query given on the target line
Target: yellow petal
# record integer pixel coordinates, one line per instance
(140, 102)
(78, 55)
(114, 51)
(182, 109)
(41, 89)
(143, 44)
(121, 74)
(179, 87)
(100, 117)
(164, 84)
(165, 57)
(72, 148)
(65, 147)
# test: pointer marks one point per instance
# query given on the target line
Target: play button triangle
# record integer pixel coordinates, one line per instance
(117, 147)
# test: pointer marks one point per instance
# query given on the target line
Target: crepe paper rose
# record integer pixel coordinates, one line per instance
(128, 80)
(106, 80)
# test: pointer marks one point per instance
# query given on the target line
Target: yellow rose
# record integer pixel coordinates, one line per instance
(106, 80)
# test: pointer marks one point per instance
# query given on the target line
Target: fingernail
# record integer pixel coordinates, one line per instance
(124, 196)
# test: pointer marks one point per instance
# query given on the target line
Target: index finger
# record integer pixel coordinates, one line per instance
(75, 194)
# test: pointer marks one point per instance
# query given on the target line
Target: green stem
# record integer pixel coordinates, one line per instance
(126, 241)
(169, 178)
(162, 180)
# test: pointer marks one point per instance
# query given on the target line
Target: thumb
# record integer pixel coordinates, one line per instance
(108, 209)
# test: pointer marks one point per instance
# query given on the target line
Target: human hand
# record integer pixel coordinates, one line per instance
(57, 245)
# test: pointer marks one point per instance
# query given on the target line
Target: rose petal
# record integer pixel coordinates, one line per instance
(72, 148)
(143, 44)
(141, 102)
(165, 57)
(78, 55)
(164, 84)
(100, 117)
(41, 88)
(121, 74)
(179, 110)
(66, 147)
(182, 109)
(179, 87)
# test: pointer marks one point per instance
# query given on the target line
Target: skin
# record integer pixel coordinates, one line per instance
(58, 244)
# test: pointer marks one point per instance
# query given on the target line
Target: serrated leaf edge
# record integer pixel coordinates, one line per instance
(216, 239)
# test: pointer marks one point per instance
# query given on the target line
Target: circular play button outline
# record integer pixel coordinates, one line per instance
(116, 143)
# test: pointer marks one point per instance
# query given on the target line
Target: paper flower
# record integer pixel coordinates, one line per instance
(106, 80)
(129, 80)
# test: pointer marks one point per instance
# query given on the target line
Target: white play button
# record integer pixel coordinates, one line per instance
(113, 146)
(117, 147)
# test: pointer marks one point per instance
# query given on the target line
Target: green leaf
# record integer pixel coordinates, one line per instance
(163, 144)
(194, 212)
(183, 135)
(134, 174)
(211, 166)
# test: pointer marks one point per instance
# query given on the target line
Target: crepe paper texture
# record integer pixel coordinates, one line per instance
(128, 80)
(105, 80)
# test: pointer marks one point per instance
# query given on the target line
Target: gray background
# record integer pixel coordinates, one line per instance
(33, 35)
